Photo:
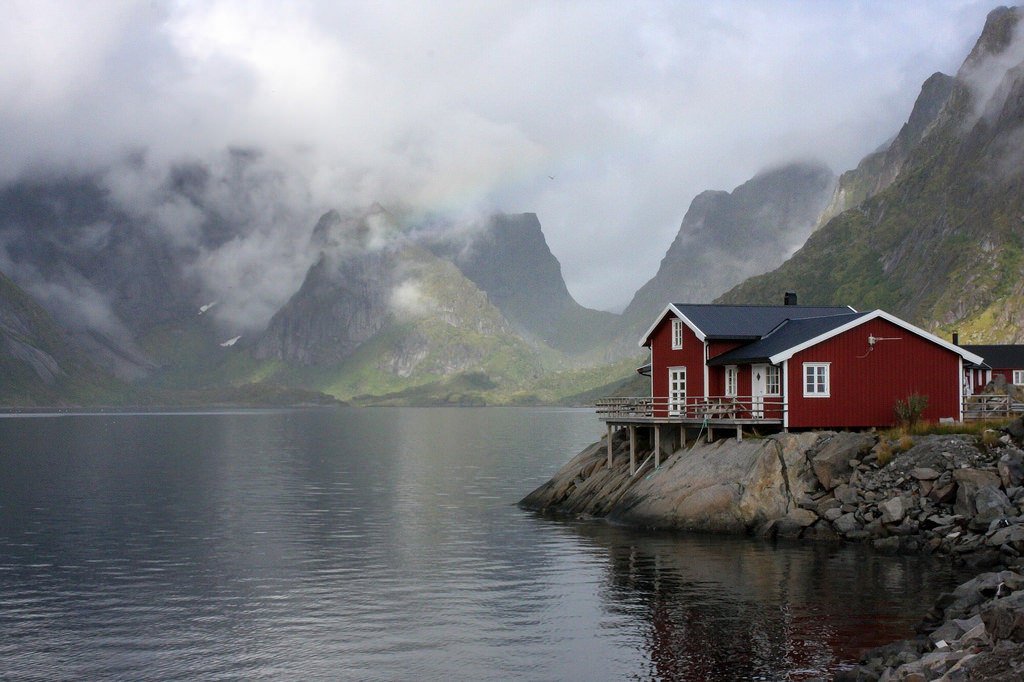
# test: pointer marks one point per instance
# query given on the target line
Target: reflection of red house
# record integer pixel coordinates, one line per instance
(796, 366)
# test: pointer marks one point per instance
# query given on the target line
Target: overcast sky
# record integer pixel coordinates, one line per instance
(604, 118)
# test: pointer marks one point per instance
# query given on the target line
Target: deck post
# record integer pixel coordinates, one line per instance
(711, 436)
(657, 446)
(632, 449)
(739, 432)
(610, 430)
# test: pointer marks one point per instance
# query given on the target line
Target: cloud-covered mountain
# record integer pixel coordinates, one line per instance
(940, 237)
(509, 259)
(39, 364)
(726, 237)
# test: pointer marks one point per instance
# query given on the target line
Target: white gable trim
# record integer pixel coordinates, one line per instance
(672, 309)
(875, 314)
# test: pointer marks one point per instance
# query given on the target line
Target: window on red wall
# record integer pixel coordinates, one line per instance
(732, 375)
(1018, 376)
(773, 380)
(677, 334)
(816, 380)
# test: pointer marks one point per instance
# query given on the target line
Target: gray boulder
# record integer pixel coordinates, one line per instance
(1004, 618)
(847, 523)
(1011, 468)
(893, 510)
(831, 464)
(969, 481)
(991, 504)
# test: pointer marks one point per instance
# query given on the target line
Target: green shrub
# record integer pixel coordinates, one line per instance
(909, 411)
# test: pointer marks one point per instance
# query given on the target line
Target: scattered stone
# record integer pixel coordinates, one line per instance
(846, 524)
(924, 473)
(846, 495)
(833, 513)
(893, 510)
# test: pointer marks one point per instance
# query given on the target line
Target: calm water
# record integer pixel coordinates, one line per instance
(385, 544)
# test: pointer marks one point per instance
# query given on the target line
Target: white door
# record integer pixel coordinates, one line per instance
(676, 390)
(758, 387)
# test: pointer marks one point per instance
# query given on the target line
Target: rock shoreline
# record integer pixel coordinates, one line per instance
(956, 495)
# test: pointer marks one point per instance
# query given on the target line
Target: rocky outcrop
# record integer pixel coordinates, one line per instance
(959, 495)
(975, 632)
(725, 486)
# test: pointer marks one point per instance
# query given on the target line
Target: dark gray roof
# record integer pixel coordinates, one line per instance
(749, 321)
(788, 334)
(1000, 356)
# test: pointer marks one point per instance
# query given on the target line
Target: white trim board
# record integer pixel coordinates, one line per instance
(874, 315)
(701, 336)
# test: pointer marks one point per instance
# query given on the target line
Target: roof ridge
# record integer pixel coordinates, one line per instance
(758, 305)
(786, 321)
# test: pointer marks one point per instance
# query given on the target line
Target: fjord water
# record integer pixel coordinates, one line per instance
(385, 544)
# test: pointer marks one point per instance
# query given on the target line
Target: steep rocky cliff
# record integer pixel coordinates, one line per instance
(880, 169)
(726, 237)
(379, 315)
(943, 244)
(509, 259)
(38, 363)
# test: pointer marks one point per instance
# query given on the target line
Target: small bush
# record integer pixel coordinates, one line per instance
(990, 437)
(909, 411)
(884, 453)
(906, 442)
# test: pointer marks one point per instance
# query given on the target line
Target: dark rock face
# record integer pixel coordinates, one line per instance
(726, 237)
(509, 259)
(340, 305)
(880, 169)
(37, 359)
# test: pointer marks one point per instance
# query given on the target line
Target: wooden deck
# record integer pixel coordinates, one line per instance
(712, 410)
(991, 406)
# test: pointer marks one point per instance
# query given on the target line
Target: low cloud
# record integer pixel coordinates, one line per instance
(603, 118)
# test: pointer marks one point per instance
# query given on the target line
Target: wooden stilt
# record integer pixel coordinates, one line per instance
(739, 432)
(711, 436)
(657, 446)
(610, 431)
(632, 449)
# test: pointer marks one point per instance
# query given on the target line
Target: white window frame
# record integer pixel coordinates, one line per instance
(677, 334)
(822, 369)
(732, 381)
(772, 372)
(674, 407)
(1018, 377)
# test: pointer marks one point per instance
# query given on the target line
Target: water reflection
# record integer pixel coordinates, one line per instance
(385, 544)
(734, 608)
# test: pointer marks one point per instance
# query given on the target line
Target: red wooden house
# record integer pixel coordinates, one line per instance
(1000, 360)
(792, 366)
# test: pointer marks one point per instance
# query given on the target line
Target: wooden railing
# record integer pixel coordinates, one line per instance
(769, 408)
(994, 406)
